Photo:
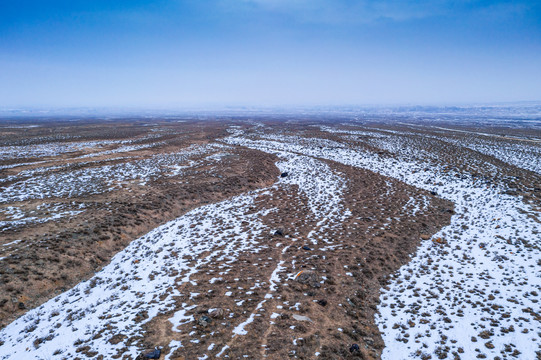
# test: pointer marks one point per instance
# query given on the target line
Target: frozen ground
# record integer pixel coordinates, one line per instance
(142, 281)
(82, 179)
(47, 182)
(471, 290)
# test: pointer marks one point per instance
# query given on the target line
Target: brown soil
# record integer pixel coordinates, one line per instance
(54, 256)
(369, 254)
(340, 300)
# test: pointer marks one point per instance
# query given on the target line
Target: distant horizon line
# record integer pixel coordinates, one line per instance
(212, 107)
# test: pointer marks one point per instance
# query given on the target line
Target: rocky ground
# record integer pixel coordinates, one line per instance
(275, 238)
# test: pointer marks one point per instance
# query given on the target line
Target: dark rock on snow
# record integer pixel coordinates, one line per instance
(279, 232)
(154, 354)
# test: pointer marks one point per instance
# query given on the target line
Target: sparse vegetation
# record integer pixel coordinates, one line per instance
(383, 236)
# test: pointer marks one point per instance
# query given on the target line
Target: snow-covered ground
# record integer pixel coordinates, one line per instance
(144, 278)
(42, 213)
(51, 146)
(49, 182)
(473, 290)
(70, 180)
(480, 277)
(522, 154)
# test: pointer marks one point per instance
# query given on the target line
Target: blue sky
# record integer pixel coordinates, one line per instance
(267, 52)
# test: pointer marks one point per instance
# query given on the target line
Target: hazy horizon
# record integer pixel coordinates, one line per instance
(264, 53)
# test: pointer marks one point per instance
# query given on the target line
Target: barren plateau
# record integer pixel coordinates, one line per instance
(248, 237)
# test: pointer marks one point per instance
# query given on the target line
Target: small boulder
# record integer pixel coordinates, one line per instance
(279, 232)
(153, 354)
(354, 349)
(500, 258)
(305, 247)
(217, 313)
(309, 278)
(301, 318)
(284, 174)
(322, 302)
(204, 321)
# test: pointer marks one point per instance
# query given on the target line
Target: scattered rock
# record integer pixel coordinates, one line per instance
(322, 302)
(217, 313)
(154, 354)
(425, 237)
(279, 232)
(439, 241)
(309, 278)
(204, 321)
(301, 318)
(369, 341)
(500, 258)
